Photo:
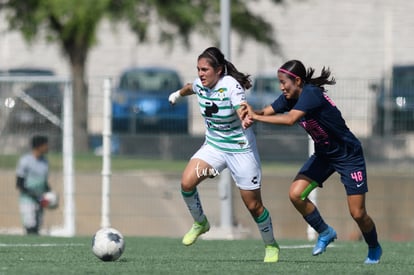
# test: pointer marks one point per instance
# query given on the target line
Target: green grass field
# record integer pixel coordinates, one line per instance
(46, 255)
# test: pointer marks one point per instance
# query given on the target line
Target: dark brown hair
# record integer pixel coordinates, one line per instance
(296, 68)
(38, 141)
(216, 59)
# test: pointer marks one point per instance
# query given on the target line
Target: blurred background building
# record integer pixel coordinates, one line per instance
(348, 36)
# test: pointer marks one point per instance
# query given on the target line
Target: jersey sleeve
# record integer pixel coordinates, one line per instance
(309, 100)
(280, 105)
(21, 170)
(237, 94)
(196, 84)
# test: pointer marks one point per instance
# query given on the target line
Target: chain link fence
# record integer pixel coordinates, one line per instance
(147, 165)
(29, 106)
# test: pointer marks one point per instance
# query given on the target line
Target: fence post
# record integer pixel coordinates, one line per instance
(68, 169)
(225, 189)
(388, 70)
(106, 153)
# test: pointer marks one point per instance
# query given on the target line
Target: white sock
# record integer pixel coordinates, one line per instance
(264, 222)
(192, 200)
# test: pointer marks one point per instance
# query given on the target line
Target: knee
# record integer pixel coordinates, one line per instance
(359, 215)
(187, 186)
(294, 196)
(188, 183)
(256, 208)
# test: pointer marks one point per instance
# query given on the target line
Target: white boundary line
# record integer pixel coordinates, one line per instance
(299, 246)
(39, 244)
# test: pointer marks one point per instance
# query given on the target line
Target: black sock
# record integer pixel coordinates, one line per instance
(371, 238)
(32, 231)
(315, 220)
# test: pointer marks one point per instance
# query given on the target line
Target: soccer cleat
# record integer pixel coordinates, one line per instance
(374, 255)
(324, 239)
(196, 230)
(272, 253)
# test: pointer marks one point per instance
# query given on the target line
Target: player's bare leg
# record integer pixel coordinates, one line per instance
(305, 207)
(196, 171)
(311, 213)
(193, 174)
(356, 204)
(253, 201)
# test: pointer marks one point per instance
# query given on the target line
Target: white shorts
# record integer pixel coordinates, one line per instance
(31, 213)
(245, 168)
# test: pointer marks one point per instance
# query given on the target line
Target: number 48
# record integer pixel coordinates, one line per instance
(357, 176)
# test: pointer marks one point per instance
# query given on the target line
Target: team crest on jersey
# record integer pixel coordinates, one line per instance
(242, 143)
(221, 93)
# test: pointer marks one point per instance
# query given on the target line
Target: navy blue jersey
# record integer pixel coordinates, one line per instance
(323, 121)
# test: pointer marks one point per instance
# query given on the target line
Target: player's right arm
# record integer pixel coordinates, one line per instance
(247, 121)
(184, 91)
(266, 111)
(280, 105)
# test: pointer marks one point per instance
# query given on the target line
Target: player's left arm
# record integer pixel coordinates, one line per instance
(246, 121)
(289, 118)
(238, 100)
(47, 187)
(240, 110)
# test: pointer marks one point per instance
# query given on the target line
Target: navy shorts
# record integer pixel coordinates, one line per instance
(350, 164)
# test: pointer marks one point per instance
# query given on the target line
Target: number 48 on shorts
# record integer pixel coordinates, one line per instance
(357, 176)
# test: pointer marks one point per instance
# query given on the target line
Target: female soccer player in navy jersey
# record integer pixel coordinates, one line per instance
(304, 101)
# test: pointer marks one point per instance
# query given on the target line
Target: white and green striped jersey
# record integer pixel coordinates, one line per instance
(218, 107)
(35, 172)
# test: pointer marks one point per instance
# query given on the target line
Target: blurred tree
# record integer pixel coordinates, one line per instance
(73, 24)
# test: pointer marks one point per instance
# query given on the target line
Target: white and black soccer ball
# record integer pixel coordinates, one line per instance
(108, 244)
(52, 199)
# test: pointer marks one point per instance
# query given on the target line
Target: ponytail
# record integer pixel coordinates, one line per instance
(321, 80)
(216, 59)
(243, 79)
(295, 68)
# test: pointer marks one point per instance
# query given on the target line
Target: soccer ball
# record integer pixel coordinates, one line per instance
(52, 199)
(108, 244)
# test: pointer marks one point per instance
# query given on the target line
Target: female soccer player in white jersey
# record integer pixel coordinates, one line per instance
(220, 89)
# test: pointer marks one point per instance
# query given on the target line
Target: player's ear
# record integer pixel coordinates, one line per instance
(298, 81)
(219, 70)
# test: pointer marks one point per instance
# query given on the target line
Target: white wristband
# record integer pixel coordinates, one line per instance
(174, 97)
